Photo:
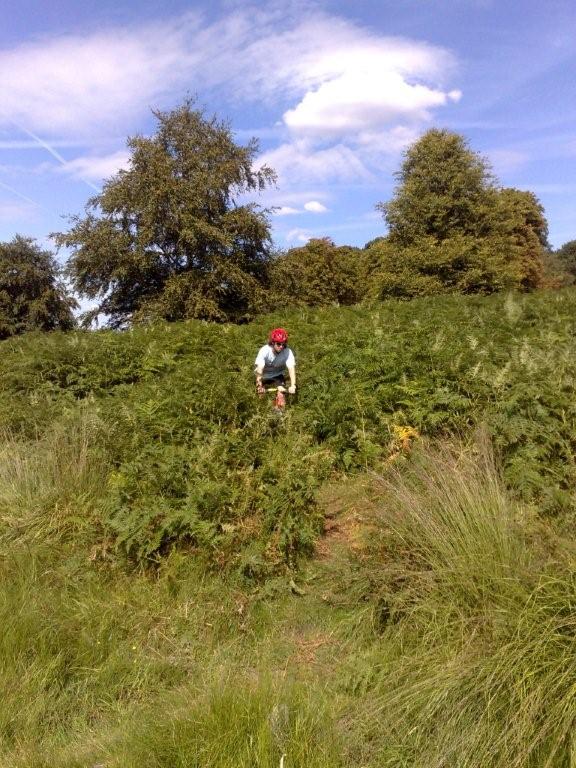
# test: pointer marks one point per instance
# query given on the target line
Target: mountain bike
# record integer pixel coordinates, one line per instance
(279, 402)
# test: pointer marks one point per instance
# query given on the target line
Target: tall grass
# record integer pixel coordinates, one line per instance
(235, 723)
(50, 486)
(123, 671)
(475, 666)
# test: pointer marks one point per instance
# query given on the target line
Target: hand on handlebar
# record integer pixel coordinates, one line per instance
(260, 388)
(292, 389)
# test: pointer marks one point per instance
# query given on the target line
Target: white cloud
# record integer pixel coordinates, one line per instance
(340, 76)
(96, 168)
(303, 161)
(357, 100)
(298, 235)
(305, 52)
(343, 98)
(315, 207)
(344, 78)
(81, 84)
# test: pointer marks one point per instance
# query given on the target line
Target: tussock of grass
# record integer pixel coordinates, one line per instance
(234, 723)
(476, 661)
(449, 513)
(50, 486)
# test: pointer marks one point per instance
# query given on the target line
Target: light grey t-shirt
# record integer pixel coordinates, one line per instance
(274, 364)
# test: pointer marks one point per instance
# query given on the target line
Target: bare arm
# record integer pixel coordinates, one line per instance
(258, 371)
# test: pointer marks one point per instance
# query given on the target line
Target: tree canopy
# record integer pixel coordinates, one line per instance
(443, 188)
(319, 273)
(168, 237)
(32, 296)
(567, 256)
(452, 228)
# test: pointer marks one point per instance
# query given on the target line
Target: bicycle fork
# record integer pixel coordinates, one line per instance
(280, 401)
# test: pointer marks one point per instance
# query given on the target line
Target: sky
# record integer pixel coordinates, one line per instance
(333, 91)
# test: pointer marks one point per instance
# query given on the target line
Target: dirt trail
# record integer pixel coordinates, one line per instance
(349, 505)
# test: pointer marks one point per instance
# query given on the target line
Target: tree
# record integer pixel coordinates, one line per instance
(520, 229)
(317, 274)
(459, 264)
(443, 188)
(567, 256)
(167, 238)
(32, 296)
(452, 228)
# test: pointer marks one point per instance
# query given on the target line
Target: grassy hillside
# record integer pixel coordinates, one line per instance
(186, 582)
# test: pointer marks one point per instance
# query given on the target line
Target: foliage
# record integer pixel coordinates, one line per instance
(461, 263)
(443, 189)
(452, 229)
(444, 637)
(167, 237)
(317, 274)
(98, 667)
(245, 725)
(556, 275)
(519, 222)
(567, 256)
(32, 297)
(197, 462)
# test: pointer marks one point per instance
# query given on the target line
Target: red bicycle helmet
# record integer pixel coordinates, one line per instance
(278, 335)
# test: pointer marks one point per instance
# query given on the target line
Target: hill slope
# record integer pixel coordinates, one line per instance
(156, 604)
(190, 454)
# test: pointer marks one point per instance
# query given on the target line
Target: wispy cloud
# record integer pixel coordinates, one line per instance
(18, 194)
(81, 85)
(340, 99)
(298, 235)
(14, 211)
(506, 160)
(303, 161)
(96, 167)
(51, 151)
(12, 144)
(339, 76)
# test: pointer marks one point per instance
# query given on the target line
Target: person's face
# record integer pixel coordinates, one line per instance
(279, 345)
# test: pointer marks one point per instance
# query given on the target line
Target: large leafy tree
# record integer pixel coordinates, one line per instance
(443, 188)
(452, 228)
(319, 273)
(32, 295)
(518, 227)
(169, 237)
(566, 255)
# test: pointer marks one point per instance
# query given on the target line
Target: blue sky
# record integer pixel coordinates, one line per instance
(334, 91)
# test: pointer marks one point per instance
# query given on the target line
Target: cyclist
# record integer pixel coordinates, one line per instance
(272, 361)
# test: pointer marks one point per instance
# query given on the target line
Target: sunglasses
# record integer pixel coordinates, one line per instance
(279, 343)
